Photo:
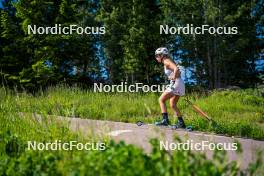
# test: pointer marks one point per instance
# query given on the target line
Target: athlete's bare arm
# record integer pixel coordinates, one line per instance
(172, 66)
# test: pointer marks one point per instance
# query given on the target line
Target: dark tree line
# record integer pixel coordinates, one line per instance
(126, 51)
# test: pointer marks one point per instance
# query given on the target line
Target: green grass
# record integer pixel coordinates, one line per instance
(238, 113)
(17, 128)
(117, 159)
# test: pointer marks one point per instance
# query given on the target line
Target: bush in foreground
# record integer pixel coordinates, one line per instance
(120, 159)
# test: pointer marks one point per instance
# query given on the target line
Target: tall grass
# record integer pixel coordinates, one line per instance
(117, 159)
(18, 127)
(239, 113)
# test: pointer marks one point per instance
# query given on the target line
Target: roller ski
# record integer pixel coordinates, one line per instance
(165, 124)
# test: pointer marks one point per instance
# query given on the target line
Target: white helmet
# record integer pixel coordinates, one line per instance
(162, 50)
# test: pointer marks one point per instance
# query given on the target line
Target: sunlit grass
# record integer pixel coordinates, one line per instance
(18, 124)
(239, 112)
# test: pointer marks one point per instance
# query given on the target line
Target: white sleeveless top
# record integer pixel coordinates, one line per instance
(176, 86)
(167, 72)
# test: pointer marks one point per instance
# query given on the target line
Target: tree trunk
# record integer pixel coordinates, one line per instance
(215, 60)
(208, 54)
(209, 64)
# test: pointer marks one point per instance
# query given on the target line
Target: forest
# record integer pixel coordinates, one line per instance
(125, 52)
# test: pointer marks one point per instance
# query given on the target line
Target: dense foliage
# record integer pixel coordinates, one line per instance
(126, 51)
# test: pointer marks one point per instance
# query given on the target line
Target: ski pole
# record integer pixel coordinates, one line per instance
(198, 110)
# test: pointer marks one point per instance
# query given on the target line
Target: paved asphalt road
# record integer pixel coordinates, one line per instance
(140, 136)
